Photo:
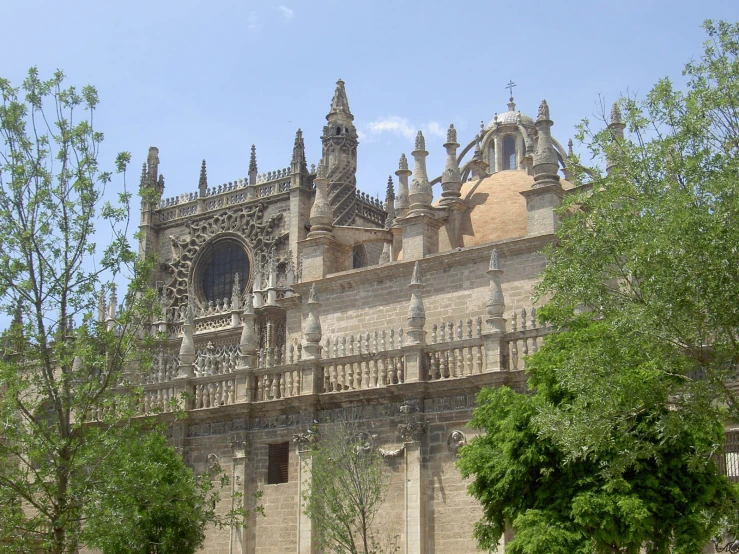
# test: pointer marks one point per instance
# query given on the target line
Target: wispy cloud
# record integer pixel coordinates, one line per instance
(253, 24)
(394, 124)
(402, 127)
(287, 13)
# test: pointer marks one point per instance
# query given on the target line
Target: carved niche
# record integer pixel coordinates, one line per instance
(246, 222)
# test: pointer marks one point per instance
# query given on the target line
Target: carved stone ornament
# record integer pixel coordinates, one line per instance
(409, 407)
(363, 442)
(246, 222)
(391, 453)
(412, 431)
(456, 441)
(306, 439)
(213, 463)
(238, 449)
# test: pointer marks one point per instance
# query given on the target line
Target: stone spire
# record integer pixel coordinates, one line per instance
(203, 182)
(390, 202)
(298, 167)
(451, 180)
(416, 311)
(340, 103)
(112, 305)
(403, 173)
(545, 156)
(616, 127)
(321, 217)
(298, 151)
(420, 193)
(152, 171)
(340, 157)
(253, 165)
(312, 327)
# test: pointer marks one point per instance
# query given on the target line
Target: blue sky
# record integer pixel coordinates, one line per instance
(206, 80)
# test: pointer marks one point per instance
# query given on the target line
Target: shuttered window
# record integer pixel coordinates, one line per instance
(277, 463)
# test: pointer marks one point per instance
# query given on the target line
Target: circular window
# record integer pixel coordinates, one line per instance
(219, 268)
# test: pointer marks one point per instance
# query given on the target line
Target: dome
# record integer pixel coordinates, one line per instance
(511, 117)
(496, 210)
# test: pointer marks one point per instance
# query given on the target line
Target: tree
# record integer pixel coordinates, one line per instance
(349, 483)
(68, 413)
(163, 510)
(633, 390)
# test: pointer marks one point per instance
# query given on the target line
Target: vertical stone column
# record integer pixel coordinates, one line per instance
(495, 323)
(451, 185)
(186, 368)
(403, 173)
(237, 535)
(616, 127)
(413, 351)
(311, 360)
(306, 534)
(545, 195)
(248, 349)
(412, 434)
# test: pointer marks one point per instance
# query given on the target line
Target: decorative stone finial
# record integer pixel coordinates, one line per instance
(390, 191)
(253, 159)
(451, 179)
(569, 148)
(416, 311)
(495, 305)
(321, 214)
(543, 111)
(298, 160)
(546, 161)
(340, 103)
(420, 141)
(203, 182)
(403, 163)
(615, 113)
(144, 177)
(416, 276)
(494, 261)
(451, 134)
(312, 327)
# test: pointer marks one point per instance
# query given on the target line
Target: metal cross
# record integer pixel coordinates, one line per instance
(510, 86)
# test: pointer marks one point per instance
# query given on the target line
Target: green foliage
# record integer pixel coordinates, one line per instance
(349, 483)
(614, 449)
(66, 400)
(149, 502)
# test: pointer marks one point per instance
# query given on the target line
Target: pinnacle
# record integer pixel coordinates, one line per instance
(390, 194)
(253, 159)
(420, 141)
(615, 113)
(543, 111)
(340, 103)
(203, 183)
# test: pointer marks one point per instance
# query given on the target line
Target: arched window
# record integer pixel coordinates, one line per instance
(509, 152)
(338, 131)
(359, 257)
(219, 267)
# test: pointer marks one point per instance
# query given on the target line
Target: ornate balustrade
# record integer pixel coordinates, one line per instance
(215, 376)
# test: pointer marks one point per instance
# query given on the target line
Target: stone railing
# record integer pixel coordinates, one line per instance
(447, 351)
(227, 194)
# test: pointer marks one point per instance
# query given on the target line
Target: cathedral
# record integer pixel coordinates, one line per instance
(293, 301)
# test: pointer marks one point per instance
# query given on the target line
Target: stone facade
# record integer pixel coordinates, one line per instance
(292, 300)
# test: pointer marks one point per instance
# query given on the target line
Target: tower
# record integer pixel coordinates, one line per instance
(340, 157)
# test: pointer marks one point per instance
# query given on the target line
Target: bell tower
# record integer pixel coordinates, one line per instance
(340, 157)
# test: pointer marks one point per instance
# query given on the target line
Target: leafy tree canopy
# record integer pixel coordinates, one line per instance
(614, 450)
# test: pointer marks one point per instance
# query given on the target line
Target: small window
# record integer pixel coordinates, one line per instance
(509, 152)
(277, 463)
(338, 131)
